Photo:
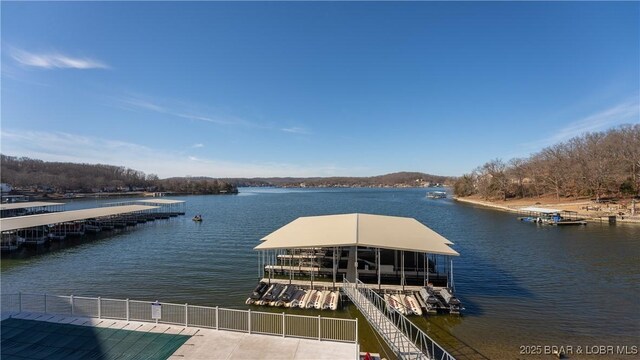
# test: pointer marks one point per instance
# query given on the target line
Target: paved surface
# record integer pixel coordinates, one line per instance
(214, 344)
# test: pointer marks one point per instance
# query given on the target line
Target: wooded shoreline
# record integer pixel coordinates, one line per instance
(593, 216)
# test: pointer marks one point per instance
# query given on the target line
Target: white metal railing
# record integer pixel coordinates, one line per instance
(279, 324)
(403, 336)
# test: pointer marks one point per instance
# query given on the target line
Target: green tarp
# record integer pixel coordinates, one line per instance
(29, 339)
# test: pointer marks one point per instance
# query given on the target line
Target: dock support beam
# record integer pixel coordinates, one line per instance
(378, 267)
(333, 263)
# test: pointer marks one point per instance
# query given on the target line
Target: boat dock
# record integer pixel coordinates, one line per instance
(404, 338)
(29, 208)
(41, 228)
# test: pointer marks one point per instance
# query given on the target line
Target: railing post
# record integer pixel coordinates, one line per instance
(217, 318)
(127, 309)
(319, 329)
(99, 308)
(72, 305)
(284, 322)
(186, 315)
(45, 303)
(20, 301)
(249, 321)
(356, 339)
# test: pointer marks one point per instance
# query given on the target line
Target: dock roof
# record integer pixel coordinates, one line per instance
(161, 201)
(540, 210)
(23, 222)
(376, 231)
(27, 205)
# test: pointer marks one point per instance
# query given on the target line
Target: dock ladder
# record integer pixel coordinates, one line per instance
(403, 337)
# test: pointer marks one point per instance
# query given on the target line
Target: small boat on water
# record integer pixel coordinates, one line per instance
(276, 293)
(413, 304)
(436, 194)
(326, 301)
(320, 300)
(311, 302)
(197, 218)
(257, 293)
(305, 299)
(393, 303)
(452, 301)
(263, 299)
(407, 305)
(335, 298)
(279, 301)
(297, 297)
(92, 227)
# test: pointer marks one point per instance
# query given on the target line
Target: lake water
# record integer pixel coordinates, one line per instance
(521, 284)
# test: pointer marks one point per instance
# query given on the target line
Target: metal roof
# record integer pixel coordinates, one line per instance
(377, 231)
(161, 201)
(540, 210)
(22, 222)
(26, 205)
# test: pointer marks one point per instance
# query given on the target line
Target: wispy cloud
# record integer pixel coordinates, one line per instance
(61, 146)
(296, 130)
(189, 112)
(625, 112)
(55, 60)
(195, 146)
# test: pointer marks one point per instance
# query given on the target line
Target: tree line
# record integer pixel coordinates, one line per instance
(62, 177)
(410, 179)
(595, 164)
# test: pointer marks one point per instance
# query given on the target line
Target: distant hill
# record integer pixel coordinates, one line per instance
(60, 177)
(399, 179)
(38, 177)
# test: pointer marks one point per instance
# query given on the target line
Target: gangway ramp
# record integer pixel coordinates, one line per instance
(405, 339)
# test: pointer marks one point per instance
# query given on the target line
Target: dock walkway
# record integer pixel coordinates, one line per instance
(404, 338)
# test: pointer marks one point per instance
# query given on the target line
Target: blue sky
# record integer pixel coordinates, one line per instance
(311, 89)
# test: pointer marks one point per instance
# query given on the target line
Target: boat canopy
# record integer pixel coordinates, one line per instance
(22, 222)
(540, 210)
(365, 230)
(28, 205)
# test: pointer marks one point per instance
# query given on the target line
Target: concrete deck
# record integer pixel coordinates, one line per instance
(218, 344)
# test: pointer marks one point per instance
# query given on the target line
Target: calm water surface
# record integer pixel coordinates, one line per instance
(521, 284)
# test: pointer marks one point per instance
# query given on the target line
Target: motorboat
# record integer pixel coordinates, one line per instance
(451, 300)
(305, 299)
(436, 194)
(320, 300)
(263, 299)
(407, 305)
(326, 302)
(335, 298)
(257, 293)
(197, 218)
(413, 304)
(311, 302)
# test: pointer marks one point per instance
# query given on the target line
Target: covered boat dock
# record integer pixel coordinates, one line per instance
(375, 249)
(29, 208)
(38, 229)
